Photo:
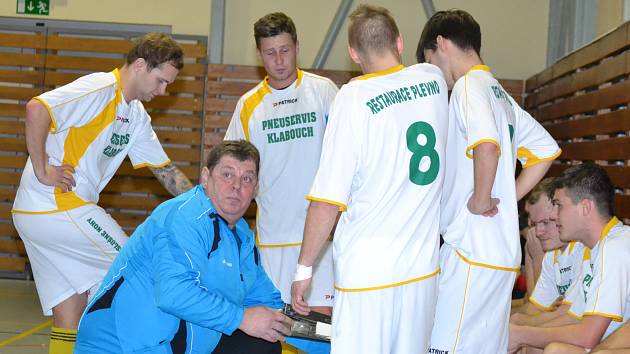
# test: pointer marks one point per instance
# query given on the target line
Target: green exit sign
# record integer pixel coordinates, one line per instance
(33, 7)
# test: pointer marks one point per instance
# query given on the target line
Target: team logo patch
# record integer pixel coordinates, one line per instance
(122, 119)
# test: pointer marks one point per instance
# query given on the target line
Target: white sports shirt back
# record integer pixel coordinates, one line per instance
(382, 162)
(287, 126)
(481, 111)
(93, 129)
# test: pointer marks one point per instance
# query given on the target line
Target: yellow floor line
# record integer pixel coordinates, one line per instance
(26, 333)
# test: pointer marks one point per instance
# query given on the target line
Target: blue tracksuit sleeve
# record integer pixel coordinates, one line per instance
(263, 292)
(178, 258)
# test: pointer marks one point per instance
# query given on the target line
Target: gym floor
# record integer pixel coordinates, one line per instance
(23, 328)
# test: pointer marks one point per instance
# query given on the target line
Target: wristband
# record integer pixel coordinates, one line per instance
(302, 273)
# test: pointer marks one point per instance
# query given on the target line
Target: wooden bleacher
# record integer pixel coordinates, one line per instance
(583, 101)
(189, 120)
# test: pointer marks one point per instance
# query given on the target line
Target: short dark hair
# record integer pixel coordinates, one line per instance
(372, 30)
(588, 181)
(156, 49)
(544, 187)
(456, 25)
(272, 25)
(239, 149)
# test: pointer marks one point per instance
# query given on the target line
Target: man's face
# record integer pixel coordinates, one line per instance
(278, 55)
(231, 186)
(153, 82)
(439, 59)
(567, 216)
(541, 219)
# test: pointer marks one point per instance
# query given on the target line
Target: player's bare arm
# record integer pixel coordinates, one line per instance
(37, 127)
(485, 162)
(172, 178)
(529, 177)
(617, 342)
(586, 333)
(320, 221)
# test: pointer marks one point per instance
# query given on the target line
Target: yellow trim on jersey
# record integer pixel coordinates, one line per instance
(300, 75)
(53, 122)
(609, 225)
(381, 73)
(279, 245)
(468, 149)
(79, 140)
(533, 159)
(146, 164)
(615, 318)
(507, 269)
(571, 246)
(540, 306)
(250, 105)
(481, 67)
(17, 211)
(570, 313)
(558, 251)
(393, 285)
(342, 206)
(565, 302)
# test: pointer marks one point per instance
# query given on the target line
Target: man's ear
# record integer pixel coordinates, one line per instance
(587, 206)
(297, 47)
(354, 55)
(400, 45)
(259, 54)
(139, 64)
(442, 43)
(205, 175)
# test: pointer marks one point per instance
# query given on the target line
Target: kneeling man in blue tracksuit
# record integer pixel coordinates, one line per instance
(190, 280)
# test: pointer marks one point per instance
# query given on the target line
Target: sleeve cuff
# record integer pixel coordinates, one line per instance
(471, 147)
(342, 206)
(539, 305)
(531, 159)
(53, 122)
(236, 321)
(146, 164)
(615, 318)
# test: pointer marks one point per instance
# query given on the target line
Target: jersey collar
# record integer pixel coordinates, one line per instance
(481, 67)
(297, 81)
(381, 73)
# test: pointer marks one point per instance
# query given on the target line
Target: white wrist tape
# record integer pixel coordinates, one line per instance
(302, 273)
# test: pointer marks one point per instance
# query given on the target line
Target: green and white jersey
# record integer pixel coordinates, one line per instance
(382, 163)
(603, 287)
(93, 129)
(287, 126)
(559, 270)
(481, 111)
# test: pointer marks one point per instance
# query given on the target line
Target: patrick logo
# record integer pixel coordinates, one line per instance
(122, 119)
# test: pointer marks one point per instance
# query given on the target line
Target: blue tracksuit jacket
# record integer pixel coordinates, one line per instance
(181, 281)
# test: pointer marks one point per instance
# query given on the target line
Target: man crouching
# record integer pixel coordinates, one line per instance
(190, 280)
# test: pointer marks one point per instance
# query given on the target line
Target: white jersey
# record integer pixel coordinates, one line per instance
(481, 111)
(560, 268)
(93, 129)
(287, 126)
(382, 162)
(604, 283)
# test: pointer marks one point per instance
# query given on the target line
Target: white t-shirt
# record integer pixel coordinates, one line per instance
(559, 270)
(481, 111)
(93, 129)
(287, 126)
(604, 283)
(382, 162)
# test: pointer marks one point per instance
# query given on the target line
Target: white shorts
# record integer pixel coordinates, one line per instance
(280, 262)
(70, 251)
(473, 307)
(394, 320)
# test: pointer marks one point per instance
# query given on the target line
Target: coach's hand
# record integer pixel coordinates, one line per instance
(483, 206)
(268, 324)
(57, 176)
(298, 292)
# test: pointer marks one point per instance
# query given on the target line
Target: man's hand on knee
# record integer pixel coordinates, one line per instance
(265, 323)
